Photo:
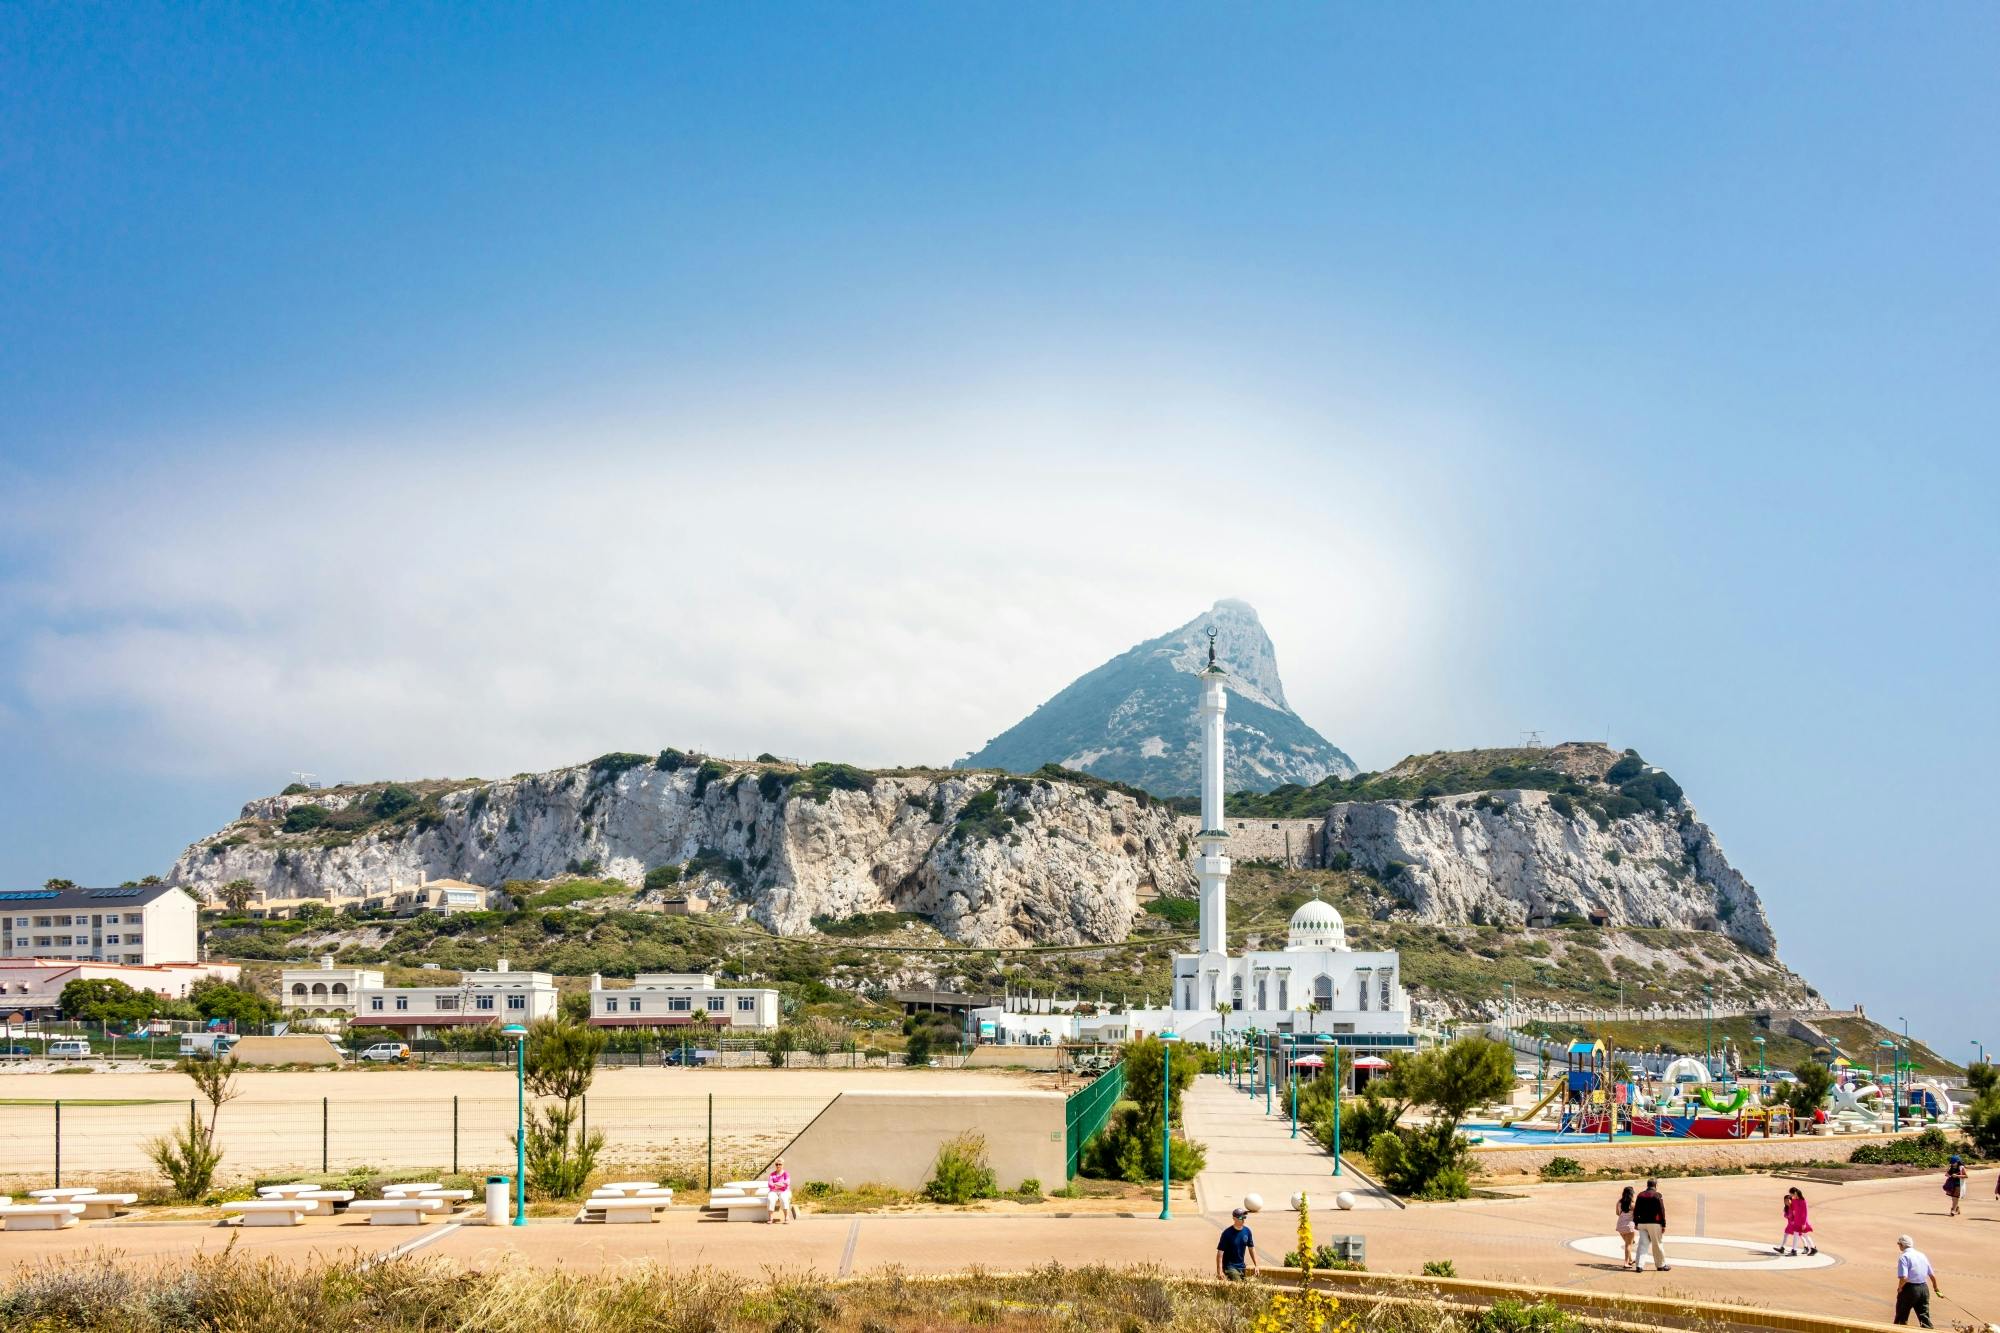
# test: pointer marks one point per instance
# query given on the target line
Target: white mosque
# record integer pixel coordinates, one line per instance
(1315, 983)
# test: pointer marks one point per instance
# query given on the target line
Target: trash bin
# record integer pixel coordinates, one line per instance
(496, 1200)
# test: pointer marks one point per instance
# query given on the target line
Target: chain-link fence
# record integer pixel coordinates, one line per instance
(680, 1134)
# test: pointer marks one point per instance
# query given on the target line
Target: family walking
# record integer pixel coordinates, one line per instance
(1798, 1231)
(1642, 1222)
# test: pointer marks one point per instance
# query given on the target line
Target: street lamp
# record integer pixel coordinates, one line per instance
(1292, 1068)
(1708, 1033)
(1895, 1087)
(1167, 1040)
(1979, 1051)
(517, 1034)
(1328, 1037)
(1760, 1056)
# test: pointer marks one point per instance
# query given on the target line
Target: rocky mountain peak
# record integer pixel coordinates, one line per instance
(1135, 718)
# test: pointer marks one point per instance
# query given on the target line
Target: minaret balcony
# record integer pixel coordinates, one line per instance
(1212, 835)
(1211, 865)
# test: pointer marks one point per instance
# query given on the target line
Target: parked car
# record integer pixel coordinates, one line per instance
(19, 1050)
(689, 1056)
(386, 1052)
(69, 1048)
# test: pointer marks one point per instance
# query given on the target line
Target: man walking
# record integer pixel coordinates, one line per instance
(1915, 1281)
(1649, 1214)
(1236, 1252)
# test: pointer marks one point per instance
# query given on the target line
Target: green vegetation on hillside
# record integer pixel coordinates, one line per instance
(1628, 787)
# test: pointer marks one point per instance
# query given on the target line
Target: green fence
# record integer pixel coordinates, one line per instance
(1089, 1107)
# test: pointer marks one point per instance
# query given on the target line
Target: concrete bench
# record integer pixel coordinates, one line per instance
(451, 1198)
(754, 1208)
(324, 1202)
(289, 1191)
(405, 1212)
(627, 1187)
(39, 1216)
(404, 1189)
(269, 1212)
(621, 1209)
(100, 1207)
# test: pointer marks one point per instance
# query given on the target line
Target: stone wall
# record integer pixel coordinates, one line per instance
(1269, 839)
(1639, 1158)
(892, 1138)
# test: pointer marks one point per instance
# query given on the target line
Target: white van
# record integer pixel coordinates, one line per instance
(212, 1045)
(69, 1048)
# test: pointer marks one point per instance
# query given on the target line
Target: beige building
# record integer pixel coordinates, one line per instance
(326, 989)
(139, 925)
(672, 999)
(499, 996)
(34, 986)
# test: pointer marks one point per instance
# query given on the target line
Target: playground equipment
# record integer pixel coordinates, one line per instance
(1586, 1089)
(1929, 1097)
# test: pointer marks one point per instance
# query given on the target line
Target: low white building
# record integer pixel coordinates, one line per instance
(34, 986)
(499, 996)
(326, 989)
(140, 924)
(672, 999)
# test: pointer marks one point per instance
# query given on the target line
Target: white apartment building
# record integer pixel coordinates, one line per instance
(141, 925)
(499, 996)
(326, 989)
(33, 986)
(672, 999)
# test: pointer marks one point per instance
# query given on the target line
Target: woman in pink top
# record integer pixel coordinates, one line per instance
(780, 1182)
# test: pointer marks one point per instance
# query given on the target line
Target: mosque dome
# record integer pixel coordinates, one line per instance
(1316, 925)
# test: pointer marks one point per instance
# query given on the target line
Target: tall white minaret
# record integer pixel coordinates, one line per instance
(1212, 866)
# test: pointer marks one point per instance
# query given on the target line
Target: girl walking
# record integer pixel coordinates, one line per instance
(1798, 1227)
(1954, 1181)
(1628, 1233)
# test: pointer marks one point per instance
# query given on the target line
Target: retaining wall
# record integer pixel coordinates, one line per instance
(1639, 1157)
(892, 1138)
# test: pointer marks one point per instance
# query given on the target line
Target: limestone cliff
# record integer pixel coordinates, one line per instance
(1515, 857)
(990, 859)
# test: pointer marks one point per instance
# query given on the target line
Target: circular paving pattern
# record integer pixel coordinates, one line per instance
(1708, 1252)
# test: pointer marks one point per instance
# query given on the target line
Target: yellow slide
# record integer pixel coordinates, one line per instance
(1536, 1109)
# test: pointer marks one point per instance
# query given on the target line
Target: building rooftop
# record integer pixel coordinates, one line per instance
(88, 900)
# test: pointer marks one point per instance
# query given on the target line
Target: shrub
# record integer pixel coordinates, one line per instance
(1982, 1118)
(960, 1173)
(1440, 1268)
(816, 1189)
(709, 772)
(778, 1047)
(1562, 805)
(608, 766)
(671, 760)
(305, 818)
(663, 877)
(1179, 911)
(188, 1158)
(295, 789)
(1520, 1317)
(917, 1049)
(1029, 1190)
(1561, 1168)
(393, 799)
(1930, 1148)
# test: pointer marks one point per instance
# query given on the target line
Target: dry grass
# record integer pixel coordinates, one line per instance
(223, 1291)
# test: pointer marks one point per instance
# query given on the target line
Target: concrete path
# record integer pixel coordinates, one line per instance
(1252, 1153)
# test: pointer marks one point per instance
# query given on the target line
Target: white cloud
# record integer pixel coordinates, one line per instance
(825, 579)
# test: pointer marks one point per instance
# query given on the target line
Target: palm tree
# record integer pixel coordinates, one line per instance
(1222, 1009)
(236, 894)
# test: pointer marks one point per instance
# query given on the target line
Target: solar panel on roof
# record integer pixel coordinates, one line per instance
(116, 893)
(26, 895)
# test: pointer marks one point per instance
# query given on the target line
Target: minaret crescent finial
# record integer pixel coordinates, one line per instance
(1211, 645)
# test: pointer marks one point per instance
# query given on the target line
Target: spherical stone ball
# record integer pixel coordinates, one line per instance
(1299, 1202)
(1253, 1203)
(1345, 1200)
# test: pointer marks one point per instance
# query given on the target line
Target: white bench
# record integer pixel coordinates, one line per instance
(406, 1188)
(291, 1191)
(269, 1212)
(451, 1198)
(749, 1208)
(100, 1207)
(324, 1201)
(628, 1187)
(39, 1216)
(621, 1209)
(405, 1212)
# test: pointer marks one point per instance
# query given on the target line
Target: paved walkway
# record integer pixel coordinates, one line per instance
(1250, 1152)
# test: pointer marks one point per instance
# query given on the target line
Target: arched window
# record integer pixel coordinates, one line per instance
(1323, 991)
(319, 990)
(1236, 993)
(1387, 981)
(1187, 995)
(1361, 989)
(1285, 991)
(1263, 993)
(299, 989)
(340, 990)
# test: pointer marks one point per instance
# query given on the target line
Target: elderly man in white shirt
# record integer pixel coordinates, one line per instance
(1915, 1281)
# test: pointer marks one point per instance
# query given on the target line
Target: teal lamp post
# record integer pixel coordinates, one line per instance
(517, 1034)
(1328, 1037)
(1292, 1068)
(1895, 1087)
(1760, 1055)
(1978, 1052)
(1167, 1040)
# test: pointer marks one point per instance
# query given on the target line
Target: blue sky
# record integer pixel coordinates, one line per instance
(433, 390)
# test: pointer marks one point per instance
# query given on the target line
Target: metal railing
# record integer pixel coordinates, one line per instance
(1086, 1110)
